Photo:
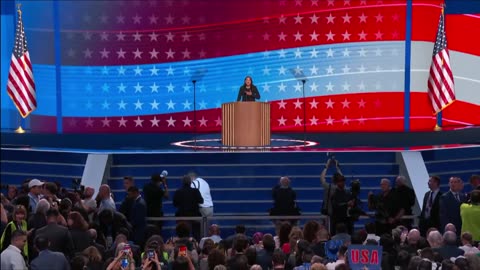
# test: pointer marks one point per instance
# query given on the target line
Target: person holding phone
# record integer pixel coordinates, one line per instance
(248, 91)
(124, 259)
(150, 261)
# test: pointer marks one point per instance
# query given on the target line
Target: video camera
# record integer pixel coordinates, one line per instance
(355, 211)
(77, 186)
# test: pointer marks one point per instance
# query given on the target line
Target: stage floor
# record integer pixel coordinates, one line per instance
(182, 142)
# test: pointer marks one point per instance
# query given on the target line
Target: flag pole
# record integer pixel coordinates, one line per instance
(438, 124)
(20, 129)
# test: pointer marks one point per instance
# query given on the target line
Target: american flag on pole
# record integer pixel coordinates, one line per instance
(441, 89)
(21, 87)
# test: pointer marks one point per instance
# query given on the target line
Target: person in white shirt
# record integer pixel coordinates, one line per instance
(214, 235)
(467, 244)
(341, 259)
(206, 208)
(371, 230)
(106, 200)
(34, 194)
(12, 258)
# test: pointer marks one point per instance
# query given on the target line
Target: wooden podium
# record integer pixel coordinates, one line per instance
(246, 124)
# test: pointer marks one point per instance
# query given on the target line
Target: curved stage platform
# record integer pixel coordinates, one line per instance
(181, 142)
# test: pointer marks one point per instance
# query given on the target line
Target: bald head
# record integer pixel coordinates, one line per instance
(92, 233)
(413, 236)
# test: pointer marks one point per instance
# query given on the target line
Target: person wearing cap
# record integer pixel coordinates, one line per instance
(35, 190)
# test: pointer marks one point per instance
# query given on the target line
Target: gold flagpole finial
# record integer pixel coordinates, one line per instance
(19, 8)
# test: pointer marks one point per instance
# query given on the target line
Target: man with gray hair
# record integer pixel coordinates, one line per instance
(388, 212)
(450, 248)
(284, 199)
(435, 239)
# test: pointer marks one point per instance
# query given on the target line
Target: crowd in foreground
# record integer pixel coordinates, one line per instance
(42, 228)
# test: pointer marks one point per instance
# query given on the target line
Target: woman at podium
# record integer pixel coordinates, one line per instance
(248, 91)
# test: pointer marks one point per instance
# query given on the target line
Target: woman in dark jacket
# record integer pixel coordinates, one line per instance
(79, 230)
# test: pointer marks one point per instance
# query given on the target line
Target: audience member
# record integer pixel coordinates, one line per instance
(467, 243)
(341, 258)
(342, 234)
(283, 230)
(47, 259)
(89, 203)
(18, 223)
(95, 260)
(206, 208)
(475, 181)
(104, 199)
(371, 232)
(318, 247)
(109, 225)
(278, 260)
(12, 257)
(79, 262)
(34, 194)
(449, 248)
(213, 234)
(408, 199)
(264, 256)
(239, 230)
(59, 237)
(215, 258)
(78, 228)
(310, 230)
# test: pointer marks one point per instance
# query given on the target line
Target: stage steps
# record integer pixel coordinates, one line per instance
(18, 165)
(241, 183)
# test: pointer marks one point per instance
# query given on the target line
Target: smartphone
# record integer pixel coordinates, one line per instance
(126, 249)
(182, 251)
(151, 254)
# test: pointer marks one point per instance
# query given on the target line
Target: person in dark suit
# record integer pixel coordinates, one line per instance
(284, 199)
(450, 204)
(127, 203)
(430, 215)
(110, 223)
(186, 199)
(47, 259)
(58, 236)
(138, 215)
(154, 193)
(449, 248)
(248, 91)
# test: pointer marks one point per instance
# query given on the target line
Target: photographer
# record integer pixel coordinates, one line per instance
(330, 189)
(154, 192)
